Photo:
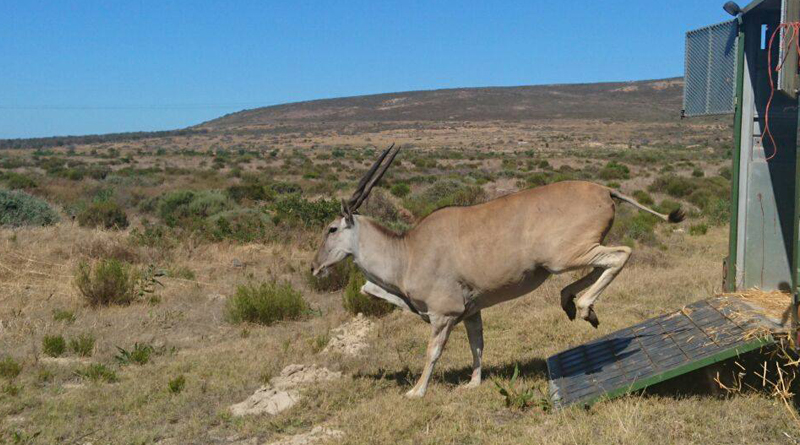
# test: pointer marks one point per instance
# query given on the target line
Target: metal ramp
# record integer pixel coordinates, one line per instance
(658, 349)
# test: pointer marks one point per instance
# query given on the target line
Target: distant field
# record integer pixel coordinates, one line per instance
(176, 223)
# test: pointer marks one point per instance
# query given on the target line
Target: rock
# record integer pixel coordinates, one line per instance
(318, 434)
(351, 337)
(280, 394)
(266, 400)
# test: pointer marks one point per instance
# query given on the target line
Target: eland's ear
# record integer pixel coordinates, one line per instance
(347, 214)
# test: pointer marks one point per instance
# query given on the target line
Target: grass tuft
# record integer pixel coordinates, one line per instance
(108, 282)
(54, 345)
(266, 303)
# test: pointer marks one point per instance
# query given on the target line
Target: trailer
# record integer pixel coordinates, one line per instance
(746, 68)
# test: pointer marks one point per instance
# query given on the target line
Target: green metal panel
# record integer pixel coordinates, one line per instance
(730, 272)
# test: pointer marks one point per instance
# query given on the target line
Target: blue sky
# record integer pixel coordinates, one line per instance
(87, 67)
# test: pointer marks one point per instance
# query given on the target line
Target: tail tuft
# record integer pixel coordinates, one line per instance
(677, 215)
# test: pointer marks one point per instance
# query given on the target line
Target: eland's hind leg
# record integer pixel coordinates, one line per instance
(569, 293)
(610, 260)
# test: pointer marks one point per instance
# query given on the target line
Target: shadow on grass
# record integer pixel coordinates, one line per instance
(534, 367)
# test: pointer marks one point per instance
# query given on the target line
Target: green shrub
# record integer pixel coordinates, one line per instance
(294, 210)
(82, 345)
(698, 173)
(702, 192)
(242, 225)
(139, 354)
(189, 209)
(443, 194)
(177, 384)
(643, 197)
(53, 345)
(614, 170)
(401, 189)
(633, 225)
(16, 181)
(355, 302)
(698, 229)
(108, 282)
(98, 372)
(9, 368)
(63, 315)
(21, 209)
(250, 192)
(105, 214)
(266, 303)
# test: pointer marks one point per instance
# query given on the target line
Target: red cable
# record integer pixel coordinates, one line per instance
(793, 39)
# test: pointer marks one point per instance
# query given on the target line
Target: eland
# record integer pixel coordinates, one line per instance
(460, 260)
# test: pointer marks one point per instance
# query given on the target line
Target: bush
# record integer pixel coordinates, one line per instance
(443, 194)
(53, 345)
(189, 209)
(702, 192)
(250, 192)
(98, 372)
(266, 303)
(83, 345)
(21, 209)
(400, 190)
(380, 207)
(242, 225)
(177, 384)
(9, 368)
(16, 181)
(108, 282)
(643, 197)
(698, 173)
(615, 170)
(294, 210)
(355, 302)
(698, 229)
(632, 225)
(105, 214)
(140, 354)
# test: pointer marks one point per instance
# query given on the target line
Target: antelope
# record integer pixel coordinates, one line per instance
(458, 261)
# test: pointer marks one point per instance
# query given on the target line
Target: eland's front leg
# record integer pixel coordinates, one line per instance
(474, 325)
(440, 331)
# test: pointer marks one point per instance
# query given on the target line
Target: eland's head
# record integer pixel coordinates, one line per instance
(339, 237)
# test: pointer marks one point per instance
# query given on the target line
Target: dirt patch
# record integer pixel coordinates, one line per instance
(281, 392)
(64, 361)
(351, 337)
(318, 434)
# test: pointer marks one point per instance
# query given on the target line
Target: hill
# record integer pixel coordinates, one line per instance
(651, 100)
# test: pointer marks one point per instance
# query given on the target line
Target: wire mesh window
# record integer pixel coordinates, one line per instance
(710, 70)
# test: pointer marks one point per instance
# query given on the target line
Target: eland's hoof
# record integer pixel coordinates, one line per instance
(592, 318)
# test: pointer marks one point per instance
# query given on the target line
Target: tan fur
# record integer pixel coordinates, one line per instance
(460, 260)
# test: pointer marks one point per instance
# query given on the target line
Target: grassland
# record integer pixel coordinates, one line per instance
(193, 217)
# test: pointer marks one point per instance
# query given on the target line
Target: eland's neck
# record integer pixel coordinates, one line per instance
(380, 254)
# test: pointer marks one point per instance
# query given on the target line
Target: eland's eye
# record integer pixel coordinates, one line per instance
(333, 229)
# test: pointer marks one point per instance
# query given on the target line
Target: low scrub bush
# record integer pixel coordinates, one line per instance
(177, 384)
(401, 189)
(643, 197)
(105, 214)
(9, 368)
(98, 372)
(355, 302)
(108, 282)
(294, 210)
(17, 181)
(631, 225)
(82, 345)
(63, 315)
(614, 170)
(698, 229)
(139, 354)
(21, 209)
(250, 192)
(266, 303)
(242, 225)
(443, 194)
(189, 209)
(54, 345)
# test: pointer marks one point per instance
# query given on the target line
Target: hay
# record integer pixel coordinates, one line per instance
(774, 304)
